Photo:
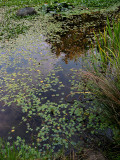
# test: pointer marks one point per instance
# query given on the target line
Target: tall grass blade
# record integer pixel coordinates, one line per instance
(109, 29)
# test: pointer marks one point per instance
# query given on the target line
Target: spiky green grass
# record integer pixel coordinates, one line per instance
(104, 78)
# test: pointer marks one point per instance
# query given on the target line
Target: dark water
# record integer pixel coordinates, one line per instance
(25, 67)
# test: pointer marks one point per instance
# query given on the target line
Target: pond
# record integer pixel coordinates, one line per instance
(38, 81)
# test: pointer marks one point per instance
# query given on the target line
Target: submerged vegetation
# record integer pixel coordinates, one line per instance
(56, 114)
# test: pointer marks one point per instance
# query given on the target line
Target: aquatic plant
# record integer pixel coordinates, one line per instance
(105, 78)
(38, 96)
(92, 3)
(21, 151)
(109, 45)
(49, 125)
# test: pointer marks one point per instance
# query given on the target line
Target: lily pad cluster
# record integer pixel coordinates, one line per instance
(50, 122)
(56, 7)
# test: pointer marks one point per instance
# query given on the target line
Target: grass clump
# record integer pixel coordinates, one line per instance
(104, 80)
(20, 151)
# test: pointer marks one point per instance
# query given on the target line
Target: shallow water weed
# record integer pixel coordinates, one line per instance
(27, 91)
(53, 123)
(55, 108)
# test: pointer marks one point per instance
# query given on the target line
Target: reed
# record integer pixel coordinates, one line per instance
(109, 45)
(105, 77)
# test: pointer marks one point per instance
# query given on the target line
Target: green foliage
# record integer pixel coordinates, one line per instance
(56, 7)
(21, 151)
(99, 3)
(92, 3)
(109, 45)
(105, 78)
(50, 125)
(12, 26)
